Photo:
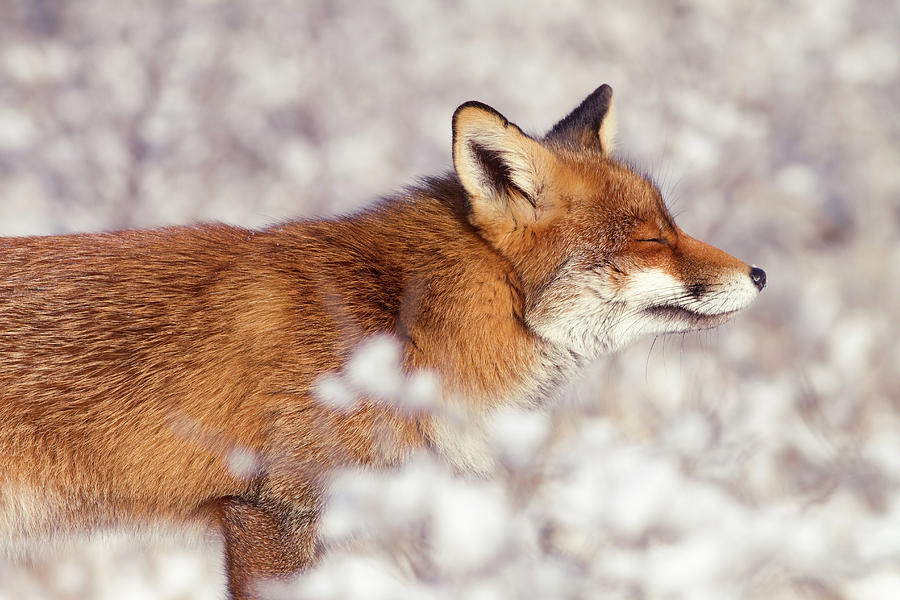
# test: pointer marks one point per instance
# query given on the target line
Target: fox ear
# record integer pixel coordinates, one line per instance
(591, 125)
(501, 168)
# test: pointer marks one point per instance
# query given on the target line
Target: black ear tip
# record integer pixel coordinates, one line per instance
(602, 94)
(581, 127)
(470, 104)
(480, 106)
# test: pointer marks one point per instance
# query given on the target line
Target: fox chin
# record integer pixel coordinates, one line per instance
(134, 364)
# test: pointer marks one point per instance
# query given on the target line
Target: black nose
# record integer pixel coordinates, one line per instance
(758, 276)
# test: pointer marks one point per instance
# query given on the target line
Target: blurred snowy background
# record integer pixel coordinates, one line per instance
(758, 461)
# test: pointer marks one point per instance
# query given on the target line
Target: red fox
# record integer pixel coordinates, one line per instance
(134, 364)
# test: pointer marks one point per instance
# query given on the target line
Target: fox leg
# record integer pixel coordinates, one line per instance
(264, 541)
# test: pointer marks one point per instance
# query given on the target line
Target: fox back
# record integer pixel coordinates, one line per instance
(172, 373)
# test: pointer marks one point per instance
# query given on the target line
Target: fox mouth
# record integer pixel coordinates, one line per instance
(689, 317)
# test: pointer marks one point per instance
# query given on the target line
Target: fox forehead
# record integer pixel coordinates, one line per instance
(607, 198)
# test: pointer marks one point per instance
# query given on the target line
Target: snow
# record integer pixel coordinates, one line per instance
(471, 521)
(374, 367)
(243, 462)
(16, 129)
(519, 435)
(332, 391)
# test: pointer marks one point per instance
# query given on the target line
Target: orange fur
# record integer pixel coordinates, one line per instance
(135, 364)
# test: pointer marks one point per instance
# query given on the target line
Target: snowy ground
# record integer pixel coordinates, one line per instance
(758, 461)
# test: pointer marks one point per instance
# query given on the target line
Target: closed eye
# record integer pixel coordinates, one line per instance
(655, 241)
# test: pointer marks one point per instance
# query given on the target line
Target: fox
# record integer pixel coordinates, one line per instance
(135, 364)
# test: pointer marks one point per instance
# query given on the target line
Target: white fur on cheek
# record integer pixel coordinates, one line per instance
(657, 297)
(730, 291)
(651, 287)
(576, 312)
(587, 313)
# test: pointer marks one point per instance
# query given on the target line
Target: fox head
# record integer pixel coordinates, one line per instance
(599, 257)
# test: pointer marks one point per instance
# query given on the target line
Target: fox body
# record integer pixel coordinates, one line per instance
(134, 366)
